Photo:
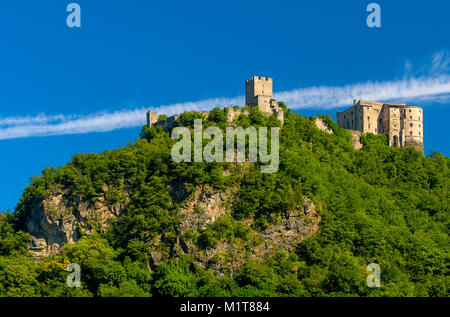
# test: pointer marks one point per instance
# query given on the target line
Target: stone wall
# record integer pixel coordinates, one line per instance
(402, 123)
(166, 124)
(258, 93)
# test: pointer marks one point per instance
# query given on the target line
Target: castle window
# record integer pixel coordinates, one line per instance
(368, 118)
(419, 133)
(411, 125)
(419, 118)
(410, 117)
(410, 132)
(409, 110)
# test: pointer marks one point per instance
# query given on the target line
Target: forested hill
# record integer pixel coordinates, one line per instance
(139, 224)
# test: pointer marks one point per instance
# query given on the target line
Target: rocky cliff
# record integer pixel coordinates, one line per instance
(60, 219)
(207, 205)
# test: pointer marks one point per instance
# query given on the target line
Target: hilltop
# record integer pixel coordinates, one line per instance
(140, 224)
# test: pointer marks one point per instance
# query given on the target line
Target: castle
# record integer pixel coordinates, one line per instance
(258, 93)
(402, 123)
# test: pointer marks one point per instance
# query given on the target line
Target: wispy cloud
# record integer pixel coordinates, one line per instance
(431, 87)
(326, 97)
(41, 125)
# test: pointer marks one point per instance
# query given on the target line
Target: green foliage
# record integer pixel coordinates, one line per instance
(162, 117)
(186, 119)
(18, 277)
(370, 139)
(218, 115)
(224, 228)
(176, 278)
(256, 119)
(337, 130)
(11, 242)
(380, 205)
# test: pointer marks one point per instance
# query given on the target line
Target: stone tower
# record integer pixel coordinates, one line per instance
(402, 123)
(152, 117)
(259, 93)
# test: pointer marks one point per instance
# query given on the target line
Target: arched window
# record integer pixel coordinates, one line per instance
(395, 141)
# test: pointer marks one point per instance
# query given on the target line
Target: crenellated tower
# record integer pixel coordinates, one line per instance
(259, 93)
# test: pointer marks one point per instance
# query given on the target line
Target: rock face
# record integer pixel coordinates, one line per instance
(356, 135)
(206, 205)
(321, 125)
(60, 219)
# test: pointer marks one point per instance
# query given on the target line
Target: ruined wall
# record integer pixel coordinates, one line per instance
(152, 117)
(167, 124)
(258, 93)
(233, 114)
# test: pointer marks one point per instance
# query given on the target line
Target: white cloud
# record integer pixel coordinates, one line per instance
(441, 62)
(432, 87)
(22, 127)
(327, 97)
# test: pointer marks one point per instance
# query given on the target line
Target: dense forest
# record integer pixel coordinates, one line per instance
(379, 204)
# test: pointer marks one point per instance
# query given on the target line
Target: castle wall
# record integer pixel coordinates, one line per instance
(152, 117)
(392, 125)
(232, 114)
(351, 119)
(264, 104)
(371, 119)
(403, 124)
(413, 127)
(258, 93)
(258, 86)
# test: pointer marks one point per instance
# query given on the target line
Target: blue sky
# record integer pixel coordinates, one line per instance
(68, 90)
